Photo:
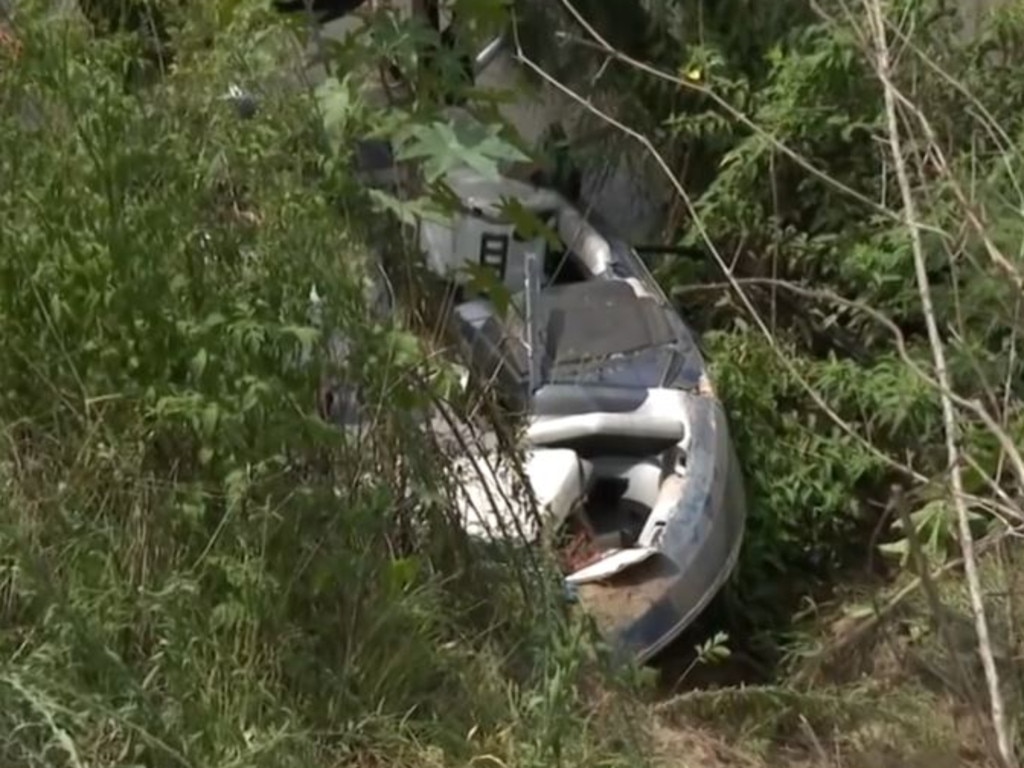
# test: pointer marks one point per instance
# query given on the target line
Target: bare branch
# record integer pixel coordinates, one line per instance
(883, 65)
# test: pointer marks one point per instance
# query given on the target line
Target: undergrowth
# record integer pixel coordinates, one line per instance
(197, 570)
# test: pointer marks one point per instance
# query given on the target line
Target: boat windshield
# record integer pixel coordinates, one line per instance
(632, 347)
(648, 368)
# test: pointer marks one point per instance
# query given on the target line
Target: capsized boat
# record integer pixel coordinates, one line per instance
(627, 448)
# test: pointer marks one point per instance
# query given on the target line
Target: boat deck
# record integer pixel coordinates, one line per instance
(619, 599)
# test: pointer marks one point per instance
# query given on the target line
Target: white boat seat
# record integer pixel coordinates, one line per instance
(491, 508)
(559, 479)
(646, 425)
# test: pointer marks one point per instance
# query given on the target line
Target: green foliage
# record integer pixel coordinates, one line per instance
(444, 146)
(808, 481)
(197, 570)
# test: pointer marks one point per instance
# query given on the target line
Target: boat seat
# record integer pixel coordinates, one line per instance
(559, 479)
(489, 505)
(571, 399)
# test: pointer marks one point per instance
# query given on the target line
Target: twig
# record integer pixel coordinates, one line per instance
(812, 737)
(935, 605)
(882, 62)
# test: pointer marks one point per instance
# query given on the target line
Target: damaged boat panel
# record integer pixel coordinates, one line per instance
(612, 563)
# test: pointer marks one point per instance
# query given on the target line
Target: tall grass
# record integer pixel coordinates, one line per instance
(196, 570)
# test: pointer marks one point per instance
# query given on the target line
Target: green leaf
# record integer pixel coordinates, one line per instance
(337, 105)
(527, 223)
(198, 364)
(208, 419)
(405, 347)
(483, 279)
(307, 336)
(410, 211)
(444, 147)
(403, 572)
